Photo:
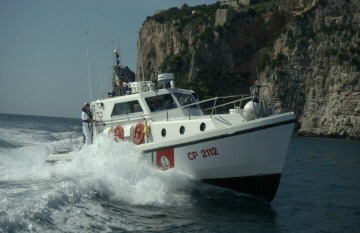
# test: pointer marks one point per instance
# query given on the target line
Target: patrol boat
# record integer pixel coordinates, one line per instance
(235, 142)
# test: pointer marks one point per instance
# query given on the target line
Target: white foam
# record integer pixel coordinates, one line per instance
(115, 169)
(120, 170)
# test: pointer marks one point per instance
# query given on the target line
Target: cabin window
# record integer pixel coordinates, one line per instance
(186, 99)
(126, 108)
(160, 102)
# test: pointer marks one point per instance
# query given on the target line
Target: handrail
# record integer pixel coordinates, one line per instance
(213, 108)
(232, 102)
(165, 114)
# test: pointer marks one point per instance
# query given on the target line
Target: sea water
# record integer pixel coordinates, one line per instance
(110, 188)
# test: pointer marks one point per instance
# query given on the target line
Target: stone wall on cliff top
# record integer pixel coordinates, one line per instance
(307, 51)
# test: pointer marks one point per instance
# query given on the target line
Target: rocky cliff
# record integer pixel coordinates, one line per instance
(306, 51)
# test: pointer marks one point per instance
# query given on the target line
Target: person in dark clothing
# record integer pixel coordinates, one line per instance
(87, 120)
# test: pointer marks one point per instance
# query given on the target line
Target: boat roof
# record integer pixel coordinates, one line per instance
(143, 94)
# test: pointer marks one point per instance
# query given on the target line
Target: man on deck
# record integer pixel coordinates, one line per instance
(87, 119)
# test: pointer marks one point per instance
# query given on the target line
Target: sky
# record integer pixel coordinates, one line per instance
(46, 47)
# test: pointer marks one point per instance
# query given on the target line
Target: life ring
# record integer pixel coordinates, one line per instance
(119, 132)
(139, 134)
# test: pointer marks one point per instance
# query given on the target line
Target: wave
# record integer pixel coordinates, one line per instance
(119, 171)
(34, 191)
(119, 168)
(10, 138)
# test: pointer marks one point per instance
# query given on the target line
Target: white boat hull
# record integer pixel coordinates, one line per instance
(248, 160)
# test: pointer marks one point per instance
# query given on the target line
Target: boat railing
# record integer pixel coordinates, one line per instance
(208, 107)
(235, 104)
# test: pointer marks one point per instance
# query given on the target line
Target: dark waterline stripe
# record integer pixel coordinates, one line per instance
(263, 186)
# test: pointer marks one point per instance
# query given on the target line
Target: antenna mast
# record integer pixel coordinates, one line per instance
(88, 63)
(141, 64)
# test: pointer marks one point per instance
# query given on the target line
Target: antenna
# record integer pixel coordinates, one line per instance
(100, 78)
(141, 64)
(117, 57)
(88, 63)
(103, 72)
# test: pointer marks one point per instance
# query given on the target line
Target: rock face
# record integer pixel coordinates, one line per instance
(318, 67)
(307, 52)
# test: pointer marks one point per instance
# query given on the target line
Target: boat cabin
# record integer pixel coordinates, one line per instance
(144, 101)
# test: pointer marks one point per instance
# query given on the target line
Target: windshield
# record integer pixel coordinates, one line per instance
(160, 102)
(186, 99)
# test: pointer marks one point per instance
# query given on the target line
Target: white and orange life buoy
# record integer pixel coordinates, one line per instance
(139, 134)
(119, 132)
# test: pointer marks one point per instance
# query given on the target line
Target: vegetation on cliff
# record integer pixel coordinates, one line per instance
(187, 15)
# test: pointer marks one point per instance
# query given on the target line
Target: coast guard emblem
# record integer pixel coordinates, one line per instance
(165, 159)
